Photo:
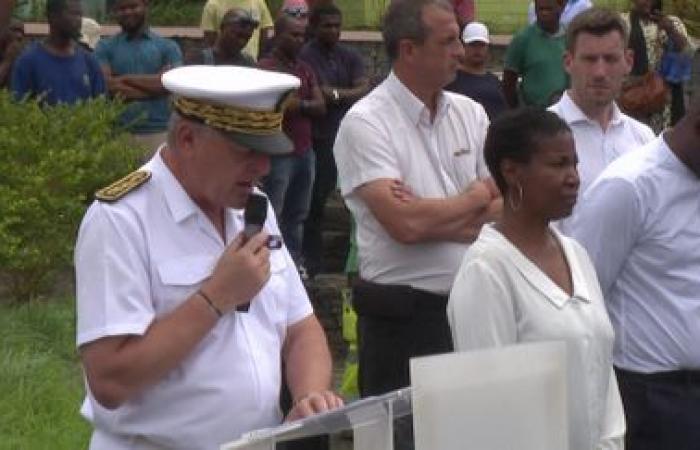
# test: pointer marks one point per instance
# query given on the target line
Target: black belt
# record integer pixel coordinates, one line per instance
(684, 377)
(395, 300)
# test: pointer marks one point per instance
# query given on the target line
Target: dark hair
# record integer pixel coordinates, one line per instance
(404, 20)
(595, 21)
(515, 135)
(54, 7)
(321, 10)
(283, 22)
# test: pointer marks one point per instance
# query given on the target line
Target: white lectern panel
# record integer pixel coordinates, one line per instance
(507, 398)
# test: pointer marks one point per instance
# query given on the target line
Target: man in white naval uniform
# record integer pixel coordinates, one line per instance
(172, 358)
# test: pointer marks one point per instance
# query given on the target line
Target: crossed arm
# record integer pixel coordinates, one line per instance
(134, 87)
(410, 219)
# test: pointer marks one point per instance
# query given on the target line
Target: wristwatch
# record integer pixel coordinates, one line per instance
(336, 96)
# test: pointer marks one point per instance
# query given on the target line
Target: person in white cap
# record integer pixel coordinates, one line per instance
(183, 322)
(473, 80)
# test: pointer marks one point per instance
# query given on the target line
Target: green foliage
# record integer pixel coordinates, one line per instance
(51, 161)
(40, 380)
(175, 12)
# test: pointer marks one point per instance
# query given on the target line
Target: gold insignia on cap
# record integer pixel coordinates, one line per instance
(120, 188)
(230, 118)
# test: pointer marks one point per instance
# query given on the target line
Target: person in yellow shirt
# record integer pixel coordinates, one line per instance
(214, 11)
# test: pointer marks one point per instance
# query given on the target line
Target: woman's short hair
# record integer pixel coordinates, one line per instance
(515, 135)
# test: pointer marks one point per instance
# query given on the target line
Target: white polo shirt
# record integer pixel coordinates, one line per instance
(138, 259)
(595, 147)
(515, 302)
(640, 222)
(388, 134)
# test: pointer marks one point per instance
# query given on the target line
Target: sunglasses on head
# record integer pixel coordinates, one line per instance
(296, 11)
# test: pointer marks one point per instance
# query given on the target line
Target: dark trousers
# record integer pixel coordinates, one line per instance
(324, 183)
(394, 324)
(662, 409)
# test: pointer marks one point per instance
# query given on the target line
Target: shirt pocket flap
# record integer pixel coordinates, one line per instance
(187, 270)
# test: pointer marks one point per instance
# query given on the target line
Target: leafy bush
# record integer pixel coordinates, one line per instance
(51, 161)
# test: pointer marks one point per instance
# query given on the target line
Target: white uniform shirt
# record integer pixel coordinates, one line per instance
(500, 298)
(139, 258)
(388, 134)
(640, 222)
(595, 147)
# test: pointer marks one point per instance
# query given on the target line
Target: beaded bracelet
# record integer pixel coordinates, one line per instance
(211, 304)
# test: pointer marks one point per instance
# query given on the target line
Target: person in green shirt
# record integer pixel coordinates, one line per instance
(535, 56)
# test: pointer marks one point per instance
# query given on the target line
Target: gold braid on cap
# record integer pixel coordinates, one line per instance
(231, 118)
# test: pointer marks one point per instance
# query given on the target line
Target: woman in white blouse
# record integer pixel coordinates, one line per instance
(522, 281)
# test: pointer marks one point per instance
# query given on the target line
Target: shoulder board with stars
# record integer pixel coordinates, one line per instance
(120, 188)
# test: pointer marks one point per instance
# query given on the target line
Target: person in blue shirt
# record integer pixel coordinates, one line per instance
(57, 69)
(132, 62)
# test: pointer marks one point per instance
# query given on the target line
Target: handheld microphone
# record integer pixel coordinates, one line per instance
(254, 218)
(254, 215)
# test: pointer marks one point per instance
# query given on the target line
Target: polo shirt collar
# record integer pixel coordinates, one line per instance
(415, 109)
(571, 113)
(179, 203)
(146, 33)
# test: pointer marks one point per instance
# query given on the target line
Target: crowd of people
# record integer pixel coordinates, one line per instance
(487, 212)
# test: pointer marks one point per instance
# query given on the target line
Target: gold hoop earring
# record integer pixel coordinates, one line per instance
(519, 190)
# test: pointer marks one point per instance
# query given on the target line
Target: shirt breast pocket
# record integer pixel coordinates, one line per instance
(179, 278)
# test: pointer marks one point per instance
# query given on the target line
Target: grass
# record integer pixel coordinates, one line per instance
(41, 386)
(502, 16)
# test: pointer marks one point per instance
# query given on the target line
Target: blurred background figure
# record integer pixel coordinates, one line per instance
(535, 55)
(89, 33)
(465, 11)
(57, 69)
(652, 34)
(522, 281)
(235, 31)
(342, 78)
(11, 45)
(214, 11)
(473, 80)
(290, 181)
(133, 61)
(571, 9)
(298, 9)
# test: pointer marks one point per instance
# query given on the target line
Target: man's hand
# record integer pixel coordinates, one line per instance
(401, 192)
(314, 403)
(241, 272)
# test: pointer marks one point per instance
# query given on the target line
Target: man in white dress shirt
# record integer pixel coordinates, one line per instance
(597, 60)
(172, 356)
(412, 173)
(640, 222)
